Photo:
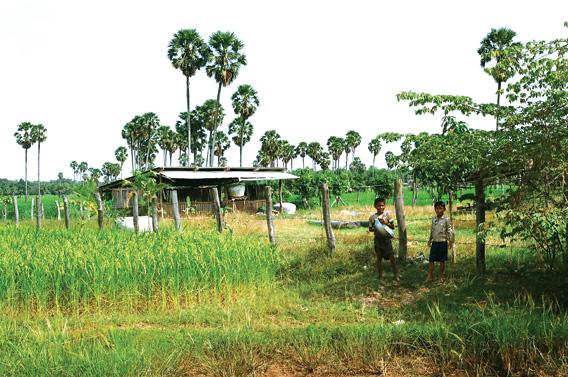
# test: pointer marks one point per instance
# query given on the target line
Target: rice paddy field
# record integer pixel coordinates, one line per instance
(200, 303)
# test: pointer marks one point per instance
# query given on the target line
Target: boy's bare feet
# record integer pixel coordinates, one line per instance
(428, 280)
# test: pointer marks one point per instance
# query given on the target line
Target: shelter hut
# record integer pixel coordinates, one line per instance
(240, 189)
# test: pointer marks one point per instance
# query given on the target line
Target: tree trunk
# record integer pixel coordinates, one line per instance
(303, 163)
(32, 209)
(327, 219)
(269, 218)
(498, 104)
(399, 208)
(16, 212)
(217, 124)
(280, 195)
(66, 212)
(241, 154)
(135, 211)
(374, 156)
(5, 212)
(346, 159)
(217, 208)
(26, 173)
(479, 222)
(154, 214)
(414, 194)
(38, 213)
(100, 210)
(175, 209)
(188, 120)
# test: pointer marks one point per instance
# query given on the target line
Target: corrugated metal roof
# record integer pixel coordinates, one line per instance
(231, 174)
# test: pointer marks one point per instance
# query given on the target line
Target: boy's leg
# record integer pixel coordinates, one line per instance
(393, 266)
(380, 266)
(442, 271)
(430, 272)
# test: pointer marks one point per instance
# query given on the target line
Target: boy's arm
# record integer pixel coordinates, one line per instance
(371, 223)
(450, 233)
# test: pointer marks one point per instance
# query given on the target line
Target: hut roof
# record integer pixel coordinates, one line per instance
(209, 176)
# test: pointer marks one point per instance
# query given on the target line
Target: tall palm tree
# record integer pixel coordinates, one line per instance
(353, 139)
(335, 146)
(245, 102)
(270, 146)
(121, 154)
(162, 134)
(75, 166)
(287, 152)
(209, 114)
(39, 135)
(375, 147)
(24, 139)
(302, 150)
(222, 143)
(498, 46)
(188, 52)
(242, 131)
(82, 168)
(315, 151)
(225, 62)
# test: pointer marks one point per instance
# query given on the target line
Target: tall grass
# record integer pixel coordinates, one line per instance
(57, 269)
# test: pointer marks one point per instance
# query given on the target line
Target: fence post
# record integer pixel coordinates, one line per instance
(16, 212)
(154, 213)
(281, 210)
(175, 208)
(38, 212)
(66, 212)
(217, 208)
(400, 220)
(32, 209)
(269, 218)
(58, 210)
(135, 211)
(327, 218)
(100, 210)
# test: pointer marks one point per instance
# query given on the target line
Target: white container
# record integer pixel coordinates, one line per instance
(236, 191)
(144, 223)
(288, 208)
(383, 230)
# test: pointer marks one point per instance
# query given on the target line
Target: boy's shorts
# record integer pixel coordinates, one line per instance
(383, 248)
(438, 252)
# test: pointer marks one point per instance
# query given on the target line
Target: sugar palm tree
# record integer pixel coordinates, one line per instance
(225, 62)
(375, 147)
(498, 46)
(245, 102)
(121, 154)
(75, 166)
(353, 139)
(270, 146)
(209, 114)
(315, 151)
(335, 146)
(242, 131)
(82, 168)
(301, 150)
(24, 139)
(188, 52)
(39, 135)
(222, 143)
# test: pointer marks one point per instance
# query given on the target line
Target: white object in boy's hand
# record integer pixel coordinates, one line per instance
(383, 230)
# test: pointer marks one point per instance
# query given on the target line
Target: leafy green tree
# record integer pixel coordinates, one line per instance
(95, 174)
(208, 115)
(24, 139)
(335, 147)
(302, 150)
(245, 102)
(375, 147)
(287, 152)
(222, 143)
(121, 154)
(270, 147)
(242, 131)
(314, 151)
(498, 47)
(224, 64)
(75, 167)
(82, 168)
(188, 52)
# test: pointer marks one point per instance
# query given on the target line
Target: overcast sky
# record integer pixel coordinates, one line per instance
(321, 68)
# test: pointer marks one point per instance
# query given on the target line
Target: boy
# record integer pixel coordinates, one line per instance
(441, 234)
(383, 244)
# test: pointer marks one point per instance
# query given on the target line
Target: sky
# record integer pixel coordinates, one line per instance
(321, 68)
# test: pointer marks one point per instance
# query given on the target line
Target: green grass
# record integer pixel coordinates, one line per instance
(198, 303)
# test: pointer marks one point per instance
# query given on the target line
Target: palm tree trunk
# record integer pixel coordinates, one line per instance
(216, 125)
(374, 156)
(291, 164)
(188, 120)
(303, 163)
(241, 152)
(26, 174)
(498, 102)
(346, 159)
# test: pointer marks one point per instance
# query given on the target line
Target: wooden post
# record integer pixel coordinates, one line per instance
(217, 208)
(135, 211)
(16, 212)
(479, 223)
(66, 212)
(327, 218)
(280, 195)
(414, 193)
(100, 210)
(269, 218)
(38, 212)
(400, 220)
(5, 212)
(58, 210)
(175, 209)
(155, 213)
(42, 214)
(32, 209)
